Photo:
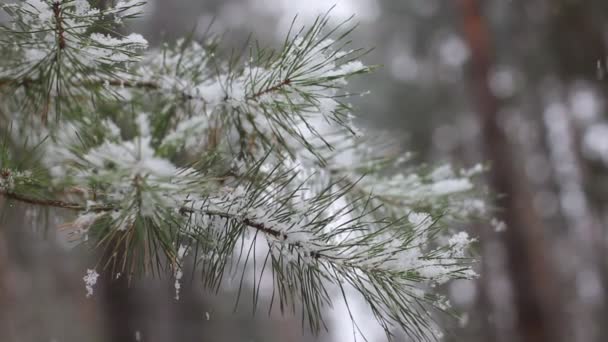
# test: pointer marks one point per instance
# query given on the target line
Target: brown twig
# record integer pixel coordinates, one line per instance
(59, 24)
(271, 89)
(146, 85)
(246, 221)
(183, 210)
(149, 85)
(42, 202)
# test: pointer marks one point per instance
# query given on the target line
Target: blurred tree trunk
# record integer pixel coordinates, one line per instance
(533, 280)
(6, 300)
(118, 307)
(577, 38)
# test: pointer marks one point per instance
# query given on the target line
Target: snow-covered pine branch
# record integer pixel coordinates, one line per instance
(185, 151)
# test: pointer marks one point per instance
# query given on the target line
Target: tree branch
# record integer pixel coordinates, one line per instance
(59, 24)
(42, 202)
(271, 89)
(183, 210)
(145, 85)
(245, 220)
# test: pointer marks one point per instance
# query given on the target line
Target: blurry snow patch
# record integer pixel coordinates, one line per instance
(450, 186)
(462, 292)
(584, 104)
(404, 65)
(286, 10)
(499, 226)
(453, 51)
(503, 81)
(589, 286)
(595, 142)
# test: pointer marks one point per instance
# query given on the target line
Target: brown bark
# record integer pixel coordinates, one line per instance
(6, 300)
(531, 274)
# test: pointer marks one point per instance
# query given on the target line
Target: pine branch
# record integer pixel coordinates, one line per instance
(272, 89)
(145, 85)
(156, 166)
(57, 11)
(41, 202)
(183, 210)
(100, 208)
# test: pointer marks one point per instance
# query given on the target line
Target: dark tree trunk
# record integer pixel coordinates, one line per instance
(533, 280)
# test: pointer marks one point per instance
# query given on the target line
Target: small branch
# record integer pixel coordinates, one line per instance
(115, 83)
(245, 220)
(42, 202)
(132, 84)
(145, 85)
(59, 24)
(183, 210)
(271, 89)
(255, 225)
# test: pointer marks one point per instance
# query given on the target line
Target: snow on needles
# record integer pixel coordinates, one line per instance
(65, 30)
(180, 150)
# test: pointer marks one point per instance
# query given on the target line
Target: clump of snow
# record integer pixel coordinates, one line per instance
(109, 41)
(459, 243)
(129, 165)
(178, 273)
(81, 225)
(178, 276)
(499, 226)
(128, 7)
(7, 180)
(418, 219)
(450, 186)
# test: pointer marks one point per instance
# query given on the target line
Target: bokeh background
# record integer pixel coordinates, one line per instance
(518, 84)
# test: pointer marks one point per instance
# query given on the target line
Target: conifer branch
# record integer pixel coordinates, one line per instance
(100, 208)
(41, 202)
(271, 89)
(59, 24)
(183, 210)
(156, 166)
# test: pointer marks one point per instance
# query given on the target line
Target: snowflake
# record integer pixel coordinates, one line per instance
(90, 279)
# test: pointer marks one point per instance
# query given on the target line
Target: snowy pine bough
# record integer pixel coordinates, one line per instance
(248, 164)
